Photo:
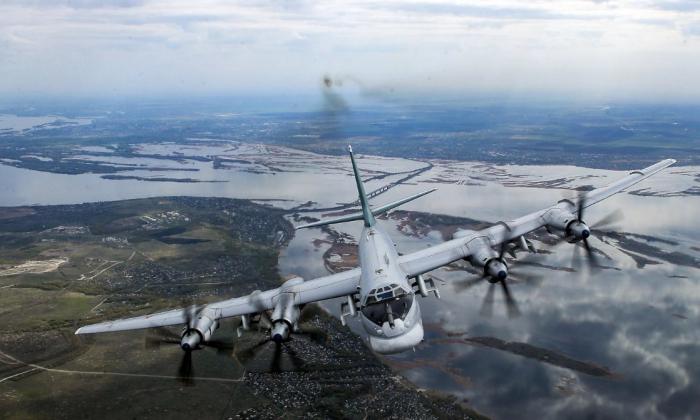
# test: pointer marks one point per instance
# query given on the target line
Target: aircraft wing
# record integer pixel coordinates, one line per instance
(162, 319)
(437, 256)
(322, 288)
(346, 283)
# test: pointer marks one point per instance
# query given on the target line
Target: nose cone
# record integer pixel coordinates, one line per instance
(190, 341)
(498, 271)
(410, 338)
(280, 332)
(579, 230)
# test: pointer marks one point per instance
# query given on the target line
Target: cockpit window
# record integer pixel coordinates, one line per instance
(383, 293)
(395, 300)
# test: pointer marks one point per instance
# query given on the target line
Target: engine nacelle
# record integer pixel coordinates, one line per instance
(566, 225)
(497, 269)
(481, 256)
(200, 330)
(284, 317)
(484, 257)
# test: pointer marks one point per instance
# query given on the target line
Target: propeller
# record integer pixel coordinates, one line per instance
(277, 360)
(186, 370)
(500, 276)
(582, 231)
(189, 340)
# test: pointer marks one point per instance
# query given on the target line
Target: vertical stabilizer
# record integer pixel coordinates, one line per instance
(366, 211)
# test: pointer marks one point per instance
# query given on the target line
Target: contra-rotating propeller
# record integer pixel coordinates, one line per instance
(189, 340)
(579, 231)
(497, 271)
(277, 361)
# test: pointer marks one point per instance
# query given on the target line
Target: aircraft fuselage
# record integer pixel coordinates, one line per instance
(389, 311)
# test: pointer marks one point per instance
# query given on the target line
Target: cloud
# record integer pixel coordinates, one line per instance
(80, 4)
(486, 11)
(569, 46)
(678, 6)
(692, 29)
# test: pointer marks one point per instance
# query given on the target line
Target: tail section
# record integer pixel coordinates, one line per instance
(367, 213)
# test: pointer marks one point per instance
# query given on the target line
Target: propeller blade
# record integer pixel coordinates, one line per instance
(156, 337)
(186, 371)
(511, 304)
(276, 365)
(264, 321)
(219, 344)
(487, 305)
(532, 280)
(581, 206)
(155, 343)
(593, 263)
(221, 348)
(609, 222)
(190, 315)
(576, 258)
(463, 285)
(297, 361)
(164, 333)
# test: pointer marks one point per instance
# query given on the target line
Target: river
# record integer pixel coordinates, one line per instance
(639, 322)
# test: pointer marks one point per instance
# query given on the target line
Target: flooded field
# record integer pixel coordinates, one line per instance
(638, 321)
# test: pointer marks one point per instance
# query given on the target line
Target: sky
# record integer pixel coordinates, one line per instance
(627, 49)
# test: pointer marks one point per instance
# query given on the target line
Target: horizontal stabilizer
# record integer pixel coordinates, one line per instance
(375, 212)
(354, 217)
(387, 207)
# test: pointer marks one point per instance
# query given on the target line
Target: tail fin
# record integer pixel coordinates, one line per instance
(367, 213)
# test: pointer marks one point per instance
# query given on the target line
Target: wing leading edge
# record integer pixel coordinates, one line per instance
(345, 283)
(323, 288)
(448, 252)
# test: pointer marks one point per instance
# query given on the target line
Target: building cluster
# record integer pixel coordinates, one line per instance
(159, 220)
(66, 230)
(337, 377)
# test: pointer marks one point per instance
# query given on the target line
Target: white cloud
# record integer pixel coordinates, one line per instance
(616, 48)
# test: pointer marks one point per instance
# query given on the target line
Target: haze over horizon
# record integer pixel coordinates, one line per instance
(638, 50)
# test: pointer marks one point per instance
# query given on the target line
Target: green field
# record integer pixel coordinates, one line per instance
(136, 257)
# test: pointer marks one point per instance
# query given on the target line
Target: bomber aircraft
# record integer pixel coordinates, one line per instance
(382, 291)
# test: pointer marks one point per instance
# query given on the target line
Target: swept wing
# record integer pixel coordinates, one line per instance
(346, 283)
(436, 256)
(322, 288)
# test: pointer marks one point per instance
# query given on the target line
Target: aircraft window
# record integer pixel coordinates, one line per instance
(377, 312)
(381, 294)
(385, 295)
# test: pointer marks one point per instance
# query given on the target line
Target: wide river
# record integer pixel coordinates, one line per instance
(642, 323)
